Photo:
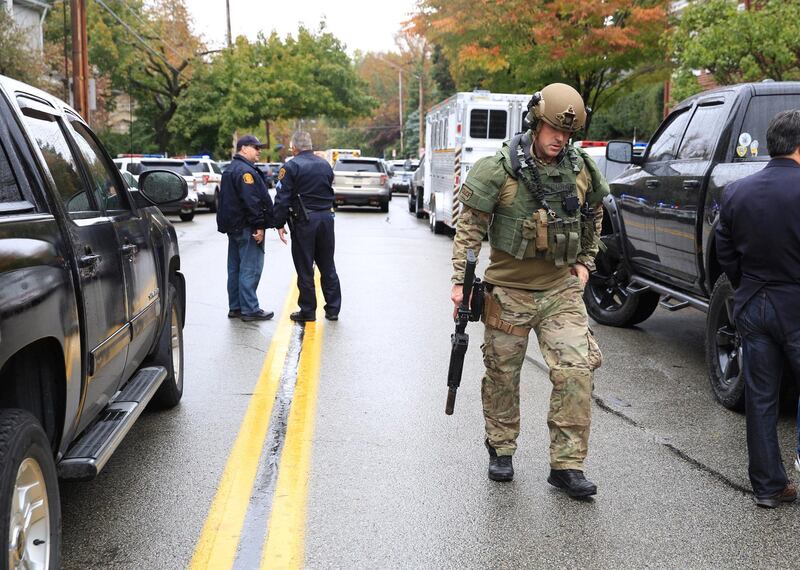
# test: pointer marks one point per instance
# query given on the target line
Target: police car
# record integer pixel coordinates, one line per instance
(207, 177)
(135, 164)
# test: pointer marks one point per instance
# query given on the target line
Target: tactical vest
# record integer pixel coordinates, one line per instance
(524, 228)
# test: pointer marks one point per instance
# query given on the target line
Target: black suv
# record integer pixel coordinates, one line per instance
(659, 222)
(92, 307)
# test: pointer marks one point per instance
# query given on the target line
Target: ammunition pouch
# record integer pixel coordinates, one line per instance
(491, 318)
(559, 240)
(477, 300)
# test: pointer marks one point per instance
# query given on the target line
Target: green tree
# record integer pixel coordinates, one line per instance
(269, 79)
(17, 60)
(736, 45)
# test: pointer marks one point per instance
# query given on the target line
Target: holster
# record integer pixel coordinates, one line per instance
(491, 318)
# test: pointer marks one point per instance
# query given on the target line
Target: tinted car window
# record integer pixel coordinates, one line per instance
(215, 167)
(486, 124)
(9, 188)
(163, 165)
(357, 166)
(760, 111)
(197, 166)
(666, 143)
(701, 136)
(105, 183)
(51, 140)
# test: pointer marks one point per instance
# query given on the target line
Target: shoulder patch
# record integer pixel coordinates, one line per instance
(248, 178)
(465, 192)
(281, 173)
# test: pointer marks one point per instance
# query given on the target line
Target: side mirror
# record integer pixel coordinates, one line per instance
(620, 151)
(162, 186)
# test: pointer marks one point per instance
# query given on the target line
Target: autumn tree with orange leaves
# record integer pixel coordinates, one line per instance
(600, 47)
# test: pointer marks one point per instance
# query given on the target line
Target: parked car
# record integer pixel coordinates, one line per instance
(597, 152)
(361, 181)
(137, 164)
(223, 165)
(403, 171)
(416, 193)
(207, 177)
(659, 220)
(91, 313)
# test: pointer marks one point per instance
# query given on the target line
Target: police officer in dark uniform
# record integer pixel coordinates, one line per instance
(244, 211)
(305, 200)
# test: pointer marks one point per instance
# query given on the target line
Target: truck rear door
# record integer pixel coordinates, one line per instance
(106, 332)
(680, 196)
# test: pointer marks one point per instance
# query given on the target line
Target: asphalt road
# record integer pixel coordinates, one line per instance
(360, 468)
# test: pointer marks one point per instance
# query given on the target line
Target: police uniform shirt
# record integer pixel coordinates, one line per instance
(244, 201)
(307, 176)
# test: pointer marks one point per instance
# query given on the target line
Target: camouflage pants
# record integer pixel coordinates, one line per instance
(558, 317)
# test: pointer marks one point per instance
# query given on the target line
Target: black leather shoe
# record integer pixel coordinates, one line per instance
(573, 482)
(500, 466)
(331, 317)
(787, 495)
(259, 315)
(299, 317)
(235, 314)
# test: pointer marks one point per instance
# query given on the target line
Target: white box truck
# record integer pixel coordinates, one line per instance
(460, 130)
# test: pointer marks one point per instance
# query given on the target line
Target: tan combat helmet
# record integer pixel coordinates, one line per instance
(558, 105)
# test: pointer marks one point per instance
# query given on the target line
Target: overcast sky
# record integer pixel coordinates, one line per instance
(366, 25)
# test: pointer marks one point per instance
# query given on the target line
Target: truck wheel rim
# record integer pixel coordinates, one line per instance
(608, 284)
(29, 528)
(175, 342)
(729, 347)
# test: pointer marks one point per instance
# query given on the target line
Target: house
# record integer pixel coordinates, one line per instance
(29, 16)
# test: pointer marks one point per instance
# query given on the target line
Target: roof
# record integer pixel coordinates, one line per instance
(766, 87)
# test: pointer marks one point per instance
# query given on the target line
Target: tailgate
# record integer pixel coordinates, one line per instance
(356, 180)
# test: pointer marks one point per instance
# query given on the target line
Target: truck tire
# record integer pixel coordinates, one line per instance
(30, 522)
(187, 217)
(436, 226)
(214, 205)
(420, 196)
(412, 202)
(169, 354)
(606, 296)
(724, 348)
(384, 206)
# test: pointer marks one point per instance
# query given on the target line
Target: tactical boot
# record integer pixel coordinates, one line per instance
(573, 482)
(500, 467)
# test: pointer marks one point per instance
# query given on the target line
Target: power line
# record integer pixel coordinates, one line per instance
(148, 28)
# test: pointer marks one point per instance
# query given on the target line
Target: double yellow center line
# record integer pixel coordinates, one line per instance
(284, 537)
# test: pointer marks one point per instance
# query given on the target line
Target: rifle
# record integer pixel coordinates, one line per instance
(470, 309)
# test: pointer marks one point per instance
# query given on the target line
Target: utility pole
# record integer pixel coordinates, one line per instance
(228, 12)
(421, 144)
(400, 91)
(80, 59)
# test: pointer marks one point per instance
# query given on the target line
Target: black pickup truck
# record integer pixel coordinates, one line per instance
(92, 307)
(659, 220)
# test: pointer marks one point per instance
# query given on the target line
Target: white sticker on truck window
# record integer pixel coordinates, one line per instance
(745, 139)
(754, 148)
(741, 151)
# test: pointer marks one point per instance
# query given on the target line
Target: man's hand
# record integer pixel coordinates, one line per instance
(456, 295)
(579, 270)
(282, 234)
(258, 235)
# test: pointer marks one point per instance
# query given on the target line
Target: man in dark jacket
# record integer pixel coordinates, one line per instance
(245, 210)
(758, 247)
(305, 200)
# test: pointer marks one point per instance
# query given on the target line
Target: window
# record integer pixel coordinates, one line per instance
(196, 166)
(171, 165)
(486, 124)
(102, 176)
(357, 166)
(215, 167)
(666, 141)
(760, 111)
(446, 135)
(701, 136)
(9, 188)
(61, 163)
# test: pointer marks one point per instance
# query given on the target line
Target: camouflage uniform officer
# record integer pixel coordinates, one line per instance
(540, 201)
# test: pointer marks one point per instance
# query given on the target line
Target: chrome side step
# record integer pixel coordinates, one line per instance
(681, 300)
(89, 454)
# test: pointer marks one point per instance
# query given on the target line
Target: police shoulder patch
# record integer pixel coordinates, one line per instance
(248, 178)
(281, 173)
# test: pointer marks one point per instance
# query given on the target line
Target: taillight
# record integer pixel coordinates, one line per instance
(205, 178)
(384, 178)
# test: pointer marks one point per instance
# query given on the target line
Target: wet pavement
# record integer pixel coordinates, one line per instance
(393, 482)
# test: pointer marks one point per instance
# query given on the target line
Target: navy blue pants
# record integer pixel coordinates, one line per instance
(766, 345)
(313, 242)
